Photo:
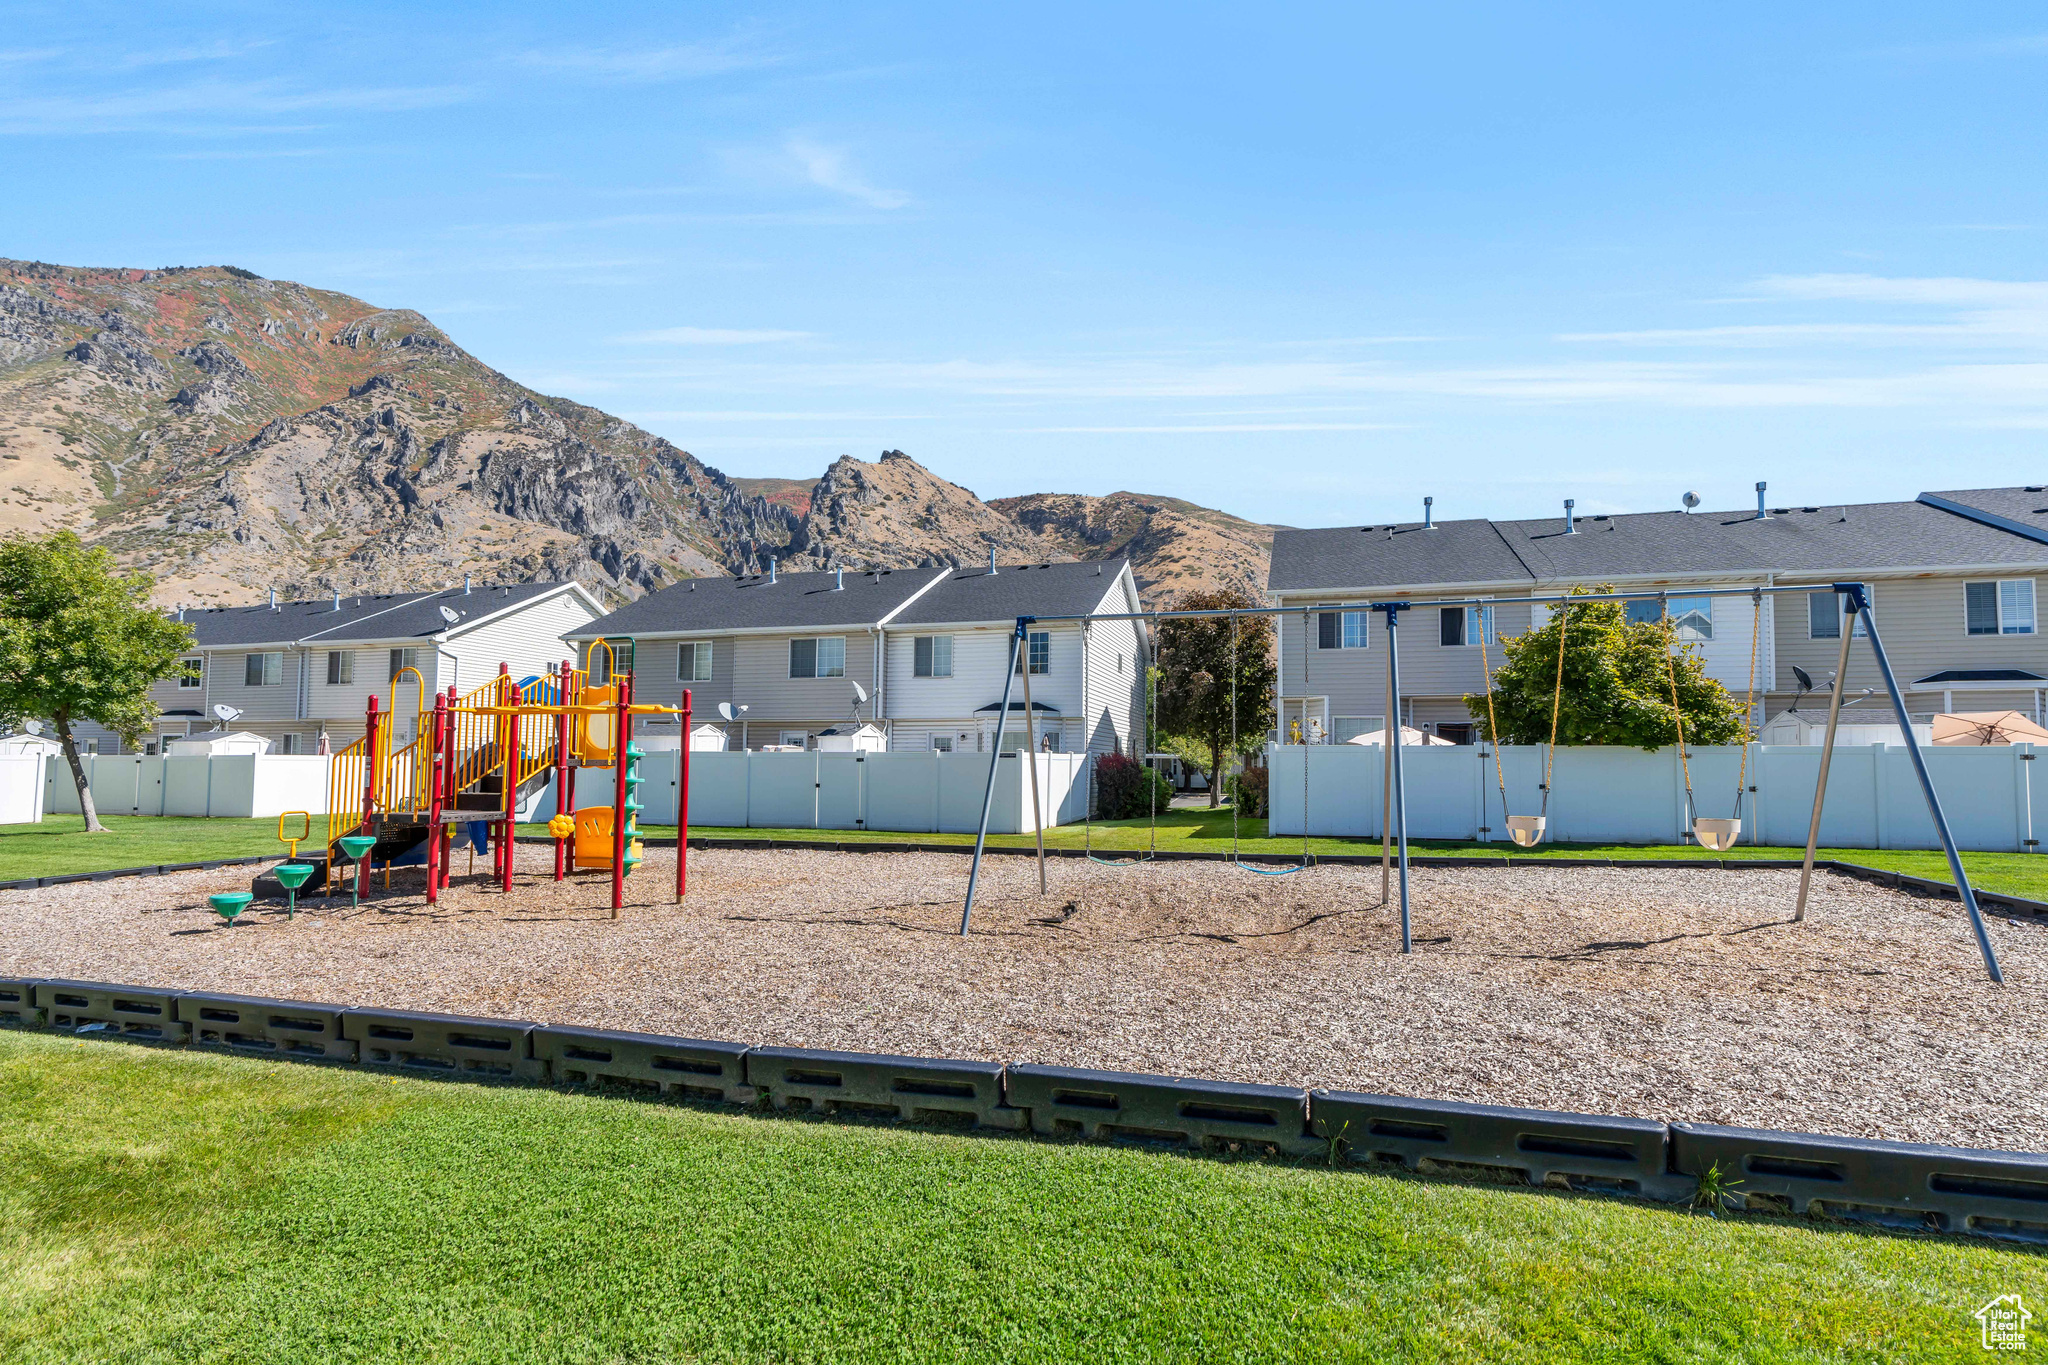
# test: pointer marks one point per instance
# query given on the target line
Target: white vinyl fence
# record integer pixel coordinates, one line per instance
(921, 793)
(1626, 796)
(231, 785)
(21, 789)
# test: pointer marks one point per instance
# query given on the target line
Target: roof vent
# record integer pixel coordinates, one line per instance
(839, 580)
(991, 559)
(273, 599)
(1761, 514)
(1428, 514)
(771, 568)
(1569, 529)
(465, 585)
(337, 599)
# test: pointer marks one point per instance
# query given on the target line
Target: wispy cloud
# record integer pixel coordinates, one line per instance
(1976, 313)
(685, 61)
(829, 168)
(157, 110)
(248, 154)
(712, 336)
(1232, 427)
(2007, 45)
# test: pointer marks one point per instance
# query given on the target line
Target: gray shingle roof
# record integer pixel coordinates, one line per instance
(974, 594)
(382, 616)
(1835, 539)
(2023, 511)
(794, 601)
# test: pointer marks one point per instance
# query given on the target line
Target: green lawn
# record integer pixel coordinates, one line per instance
(162, 1206)
(58, 846)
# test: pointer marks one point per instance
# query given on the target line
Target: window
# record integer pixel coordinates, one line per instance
(92, 748)
(288, 744)
(824, 657)
(1463, 625)
(934, 657)
(1039, 651)
(942, 744)
(2002, 608)
(341, 666)
(1346, 728)
(796, 739)
(1343, 630)
(404, 659)
(693, 661)
(1049, 741)
(1692, 618)
(1824, 617)
(191, 673)
(263, 670)
(613, 656)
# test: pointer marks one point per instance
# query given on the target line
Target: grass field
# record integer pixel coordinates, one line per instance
(175, 1207)
(59, 846)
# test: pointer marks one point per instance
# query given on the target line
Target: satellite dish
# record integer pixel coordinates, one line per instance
(34, 727)
(725, 710)
(860, 695)
(450, 615)
(1805, 678)
(1691, 500)
(225, 713)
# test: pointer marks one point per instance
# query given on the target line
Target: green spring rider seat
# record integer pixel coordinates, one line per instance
(354, 846)
(228, 904)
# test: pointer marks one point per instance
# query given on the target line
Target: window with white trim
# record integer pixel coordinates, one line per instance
(341, 666)
(263, 670)
(1343, 729)
(1343, 630)
(942, 744)
(1040, 653)
(822, 656)
(2004, 607)
(402, 659)
(1824, 617)
(932, 656)
(1465, 625)
(693, 661)
(191, 673)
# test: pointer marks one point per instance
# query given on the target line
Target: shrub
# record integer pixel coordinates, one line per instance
(1126, 789)
(1249, 790)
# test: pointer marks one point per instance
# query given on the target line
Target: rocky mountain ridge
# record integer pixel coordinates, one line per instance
(232, 434)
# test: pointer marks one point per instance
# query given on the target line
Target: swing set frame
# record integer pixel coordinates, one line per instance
(1855, 600)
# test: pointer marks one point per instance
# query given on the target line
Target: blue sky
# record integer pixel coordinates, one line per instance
(1307, 264)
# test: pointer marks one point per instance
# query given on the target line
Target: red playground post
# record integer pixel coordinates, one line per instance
(369, 783)
(443, 854)
(564, 802)
(683, 806)
(622, 735)
(508, 753)
(437, 758)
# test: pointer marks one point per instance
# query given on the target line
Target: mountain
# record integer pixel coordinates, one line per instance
(232, 434)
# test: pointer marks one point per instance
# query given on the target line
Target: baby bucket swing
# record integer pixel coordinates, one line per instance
(1525, 830)
(1714, 834)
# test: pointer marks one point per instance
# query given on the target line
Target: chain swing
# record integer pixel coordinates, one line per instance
(1713, 834)
(1525, 830)
(1145, 761)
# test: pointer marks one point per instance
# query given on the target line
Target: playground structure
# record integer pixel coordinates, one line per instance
(1712, 832)
(474, 759)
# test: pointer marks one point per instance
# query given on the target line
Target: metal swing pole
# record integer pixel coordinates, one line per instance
(1391, 728)
(1859, 602)
(1827, 756)
(988, 792)
(1393, 612)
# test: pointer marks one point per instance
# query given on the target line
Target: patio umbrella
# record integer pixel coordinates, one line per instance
(1987, 727)
(1409, 736)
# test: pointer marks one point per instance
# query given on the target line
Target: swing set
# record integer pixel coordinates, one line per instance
(1712, 832)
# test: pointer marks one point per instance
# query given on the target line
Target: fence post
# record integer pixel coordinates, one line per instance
(683, 806)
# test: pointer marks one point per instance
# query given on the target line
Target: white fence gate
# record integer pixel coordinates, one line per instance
(919, 793)
(1626, 796)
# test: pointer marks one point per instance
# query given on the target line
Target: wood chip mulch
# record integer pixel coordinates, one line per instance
(1664, 993)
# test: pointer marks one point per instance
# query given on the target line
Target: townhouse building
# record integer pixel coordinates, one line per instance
(1954, 582)
(918, 652)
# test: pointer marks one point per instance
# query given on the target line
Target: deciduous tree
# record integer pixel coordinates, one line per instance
(1196, 656)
